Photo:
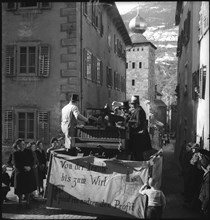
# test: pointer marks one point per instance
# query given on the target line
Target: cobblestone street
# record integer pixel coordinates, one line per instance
(172, 186)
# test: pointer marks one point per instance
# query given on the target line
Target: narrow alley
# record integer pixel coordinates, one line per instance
(172, 186)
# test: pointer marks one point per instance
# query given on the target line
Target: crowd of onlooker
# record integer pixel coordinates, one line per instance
(29, 163)
(195, 169)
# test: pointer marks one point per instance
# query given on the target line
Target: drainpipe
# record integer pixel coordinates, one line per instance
(81, 56)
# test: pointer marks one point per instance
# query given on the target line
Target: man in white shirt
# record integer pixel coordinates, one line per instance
(70, 116)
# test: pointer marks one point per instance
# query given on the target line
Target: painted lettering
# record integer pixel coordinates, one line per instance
(125, 207)
(98, 181)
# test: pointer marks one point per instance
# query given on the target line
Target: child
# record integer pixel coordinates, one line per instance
(5, 183)
(156, 199)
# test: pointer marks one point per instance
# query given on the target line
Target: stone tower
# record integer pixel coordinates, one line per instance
(140, 66)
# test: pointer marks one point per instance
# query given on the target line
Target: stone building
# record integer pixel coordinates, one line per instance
(192, 75)
(53, 49)
(202, 129)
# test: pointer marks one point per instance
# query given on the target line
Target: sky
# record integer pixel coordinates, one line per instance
(124, 7)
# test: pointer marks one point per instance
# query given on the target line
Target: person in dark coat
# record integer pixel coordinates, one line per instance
(24, 177)
(32, 148)
(186, 169)
(139, 135)
(5, 188)
(42, 165)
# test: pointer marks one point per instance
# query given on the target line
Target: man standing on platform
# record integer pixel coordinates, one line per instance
(70, 116)
(139, 135)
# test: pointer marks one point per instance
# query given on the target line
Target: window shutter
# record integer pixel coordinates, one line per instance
(85, 63)
(84, 8)
(101, 24)
(10, 60)
(12, 6)
(44, 60)
(45, 5)
(188, 25)
(8, 125)
(101, 72)
(43, 126)
(107, 76)
(94, 68)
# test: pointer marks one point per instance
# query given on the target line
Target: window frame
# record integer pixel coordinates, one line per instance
(34, 111)
(27, 44)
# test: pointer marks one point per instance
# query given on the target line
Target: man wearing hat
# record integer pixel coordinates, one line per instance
(139, 135)
(70, 115)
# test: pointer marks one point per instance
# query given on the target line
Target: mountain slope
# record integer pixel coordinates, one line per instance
(161, 31)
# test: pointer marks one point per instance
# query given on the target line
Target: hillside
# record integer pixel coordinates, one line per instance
(161, 31)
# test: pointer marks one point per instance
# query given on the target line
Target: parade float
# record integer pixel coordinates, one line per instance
(101, 180)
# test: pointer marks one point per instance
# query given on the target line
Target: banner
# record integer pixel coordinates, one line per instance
(99, 186)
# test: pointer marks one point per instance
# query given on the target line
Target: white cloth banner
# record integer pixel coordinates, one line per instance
(103, 186)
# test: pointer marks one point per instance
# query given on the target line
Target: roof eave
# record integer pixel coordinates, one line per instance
(118, 22)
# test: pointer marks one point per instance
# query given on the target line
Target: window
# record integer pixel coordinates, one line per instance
(126, 65)
(137, 49)
(92, 67)
(140, 65)
(28, 122)
(133, 82)
(28, 59)
(142, 49)
(202, 82)
(87, 64)
(26, 125)
(133, 65)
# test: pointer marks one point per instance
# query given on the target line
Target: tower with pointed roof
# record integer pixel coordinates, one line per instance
(140, 66)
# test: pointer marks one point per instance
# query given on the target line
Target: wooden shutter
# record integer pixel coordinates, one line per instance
(11, 60)
(8, 125)
(85, 63)
(94, 68)
(45, 5)
(43, 126)
(44, 60)
(12, 6)
(101, 72)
